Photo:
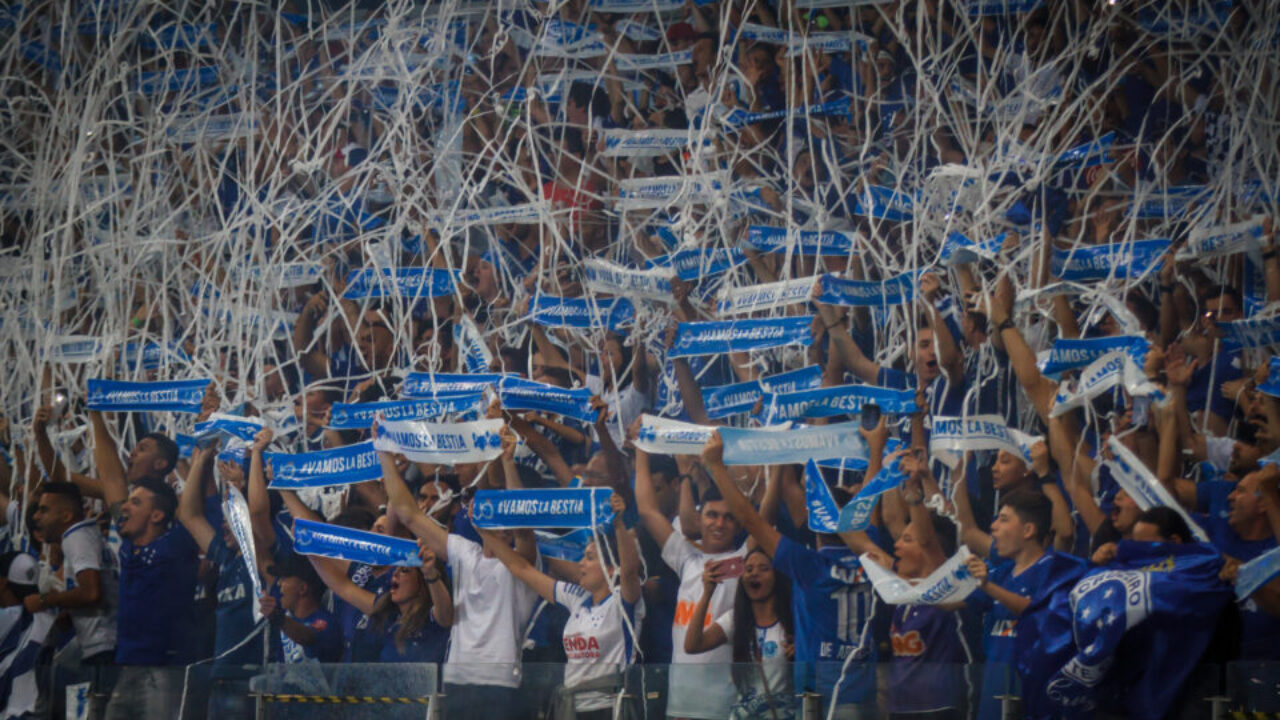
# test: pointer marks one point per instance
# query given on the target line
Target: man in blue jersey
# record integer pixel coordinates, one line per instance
(1024, 571)
(835, 654)
(157, 564)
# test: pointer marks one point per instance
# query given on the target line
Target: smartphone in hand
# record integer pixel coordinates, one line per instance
(732, 567)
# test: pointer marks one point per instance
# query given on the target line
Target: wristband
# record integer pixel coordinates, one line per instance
(1006, 324)
(1169, 288)
(431, 580)
(1269, 254)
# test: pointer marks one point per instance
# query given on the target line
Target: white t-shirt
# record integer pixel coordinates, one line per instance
(704, 692)
(83, 548)
(491, 608)
(773, 658)
(598, 641)
(626, 406)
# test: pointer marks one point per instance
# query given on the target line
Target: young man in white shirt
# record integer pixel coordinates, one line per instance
(491, 607)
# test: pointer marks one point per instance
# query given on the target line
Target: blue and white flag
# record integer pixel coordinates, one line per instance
(718, 337)
(1253, 332)
(529, 395)
(897, 290)
(341, 543)
(236, 512)
(1069, 354)
(224, 427)
(441, 443)
(1219, 241)
(183, 396)
(724, 400)
(476, 356)
(1165, 203)
(1141, 485)
(1257, 572)
(738, 117)
(983, 8)
(699, 263)
(734, 301)
(571, 546)
(543, 508)
(1271, 386)
(1084, 263)
(799, 446)
(22, 638)
(826, 243)
(528, 213)
(856, 516)
(288, 275)
(432, 385)
(657, 192)
(885, 203)
(606, 277)
(827, 402)
(663, 436)
(75, 349)
(150, 356)
(1090, 154)
(642, 61)
(583, 313)
(413, 282)
(960, 250)
(824, 513)
(1115, 368)
(324, 468)
(949, 583)
(951, 437)
(360, 416)
(620, 142)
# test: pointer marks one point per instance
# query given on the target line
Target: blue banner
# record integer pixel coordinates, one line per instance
(856, 515)
(824, 513)
(885, 203)
(983, 8)
(1257, 572)
(549, 508)
(1084, 263)
(431, 385)
(150, 356)
(826, 243)
(867, 293)
(359, 416)
(341, 543)
(834, 401)
(441, 443)
(583, 313)
(324, 468)
(1162, 204)
(696, 264)
(1253, 332)
(725, 400)
(225, 428)
(799, 446)
(1271, 386)
(414, 282)
(717, 337)
(739, 117)
(1069, 354)
(1090, 154)
(960, 250)
(529, 395)
(167, 396)
(571, 546)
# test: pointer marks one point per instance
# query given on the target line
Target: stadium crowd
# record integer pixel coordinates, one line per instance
(1019, 258)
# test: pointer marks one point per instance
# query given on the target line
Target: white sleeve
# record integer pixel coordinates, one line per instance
(463, 555)
(82, 550)
(569, 595)
(725, 622)
(677, 551)
(1218, 451)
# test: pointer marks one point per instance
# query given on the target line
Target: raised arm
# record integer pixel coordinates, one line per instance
(1039, 388)
(111, 486)
(628, 552)
(191, 504)
(334, 574)
(647, 502)
(433, 576)
(974, 538)
(739, 506)
(400, 503)
(264, 534)
(702, 636)
(524, 570)
(526, 543)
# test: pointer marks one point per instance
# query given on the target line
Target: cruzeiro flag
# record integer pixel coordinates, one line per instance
(21, 637)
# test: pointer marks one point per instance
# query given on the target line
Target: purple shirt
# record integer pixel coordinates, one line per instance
(928, 657)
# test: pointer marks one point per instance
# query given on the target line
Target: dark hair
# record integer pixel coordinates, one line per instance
(560, 376)
(711, 494)
(945, 531)
(1168, 523)
(591, 97)
(356, 517)
(166, 500)
(1143, 309)
(1031, 506)
(1220, 290)
(168, 449)
(664, 465)
(745, 648)
(69, 492)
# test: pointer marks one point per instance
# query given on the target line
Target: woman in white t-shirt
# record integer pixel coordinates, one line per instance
(622, 384)
(599, 637)
(760, 630)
